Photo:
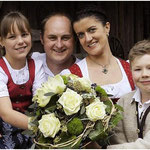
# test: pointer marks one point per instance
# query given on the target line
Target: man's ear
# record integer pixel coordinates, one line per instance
(41, 38)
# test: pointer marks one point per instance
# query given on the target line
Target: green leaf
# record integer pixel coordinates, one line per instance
(29, 133)
(38, 112)
(101, 91)
(50, 109)
(109, 106)
(49, 94)
(32, 106)
(42, 139)
(65, 137)
(118, 107)
(53, 101)
(82, 111)
(99, 126)
(115, 119)
(99, 133)
(65, 79)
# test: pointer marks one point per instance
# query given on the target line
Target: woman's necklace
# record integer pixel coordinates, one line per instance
(104, 67)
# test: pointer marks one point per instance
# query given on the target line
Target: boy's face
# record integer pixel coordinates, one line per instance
(141, 73)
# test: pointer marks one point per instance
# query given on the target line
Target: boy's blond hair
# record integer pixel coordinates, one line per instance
(139, 49)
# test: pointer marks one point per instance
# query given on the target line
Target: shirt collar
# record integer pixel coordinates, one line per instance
(137, 96)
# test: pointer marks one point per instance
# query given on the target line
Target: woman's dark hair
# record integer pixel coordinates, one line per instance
(91, 11)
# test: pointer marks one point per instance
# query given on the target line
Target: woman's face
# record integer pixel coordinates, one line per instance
(92, 35)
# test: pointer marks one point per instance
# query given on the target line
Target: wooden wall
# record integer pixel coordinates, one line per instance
(130, 20)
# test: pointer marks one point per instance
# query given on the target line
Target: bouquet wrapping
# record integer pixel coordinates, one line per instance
(70, 112)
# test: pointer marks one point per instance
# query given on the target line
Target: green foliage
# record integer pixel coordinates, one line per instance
(49, 94)
(75, 126)
(102, 93)
(109, 106)
(98, 132)
(119, 108)
(115, 119)
(65, 78)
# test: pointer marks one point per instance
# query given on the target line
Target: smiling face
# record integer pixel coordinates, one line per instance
(58, 39)
(17, 44)
(92, 35)
(141, 72)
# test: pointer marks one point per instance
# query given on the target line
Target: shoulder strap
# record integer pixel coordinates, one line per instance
(31, 66)
(5, 68)
(126, 67)
(142, 124)
(75, 69)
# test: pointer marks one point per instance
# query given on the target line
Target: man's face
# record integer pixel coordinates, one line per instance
(58, 39)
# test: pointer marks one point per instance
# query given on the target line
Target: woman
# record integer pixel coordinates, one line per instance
(100, 66)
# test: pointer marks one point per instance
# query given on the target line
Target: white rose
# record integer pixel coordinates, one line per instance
(55, 84)
(71, 101)
(49, 125)
(96, 110)
(41, 99)
(72, 76)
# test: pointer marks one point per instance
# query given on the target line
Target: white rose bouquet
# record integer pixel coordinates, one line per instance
(69, 112)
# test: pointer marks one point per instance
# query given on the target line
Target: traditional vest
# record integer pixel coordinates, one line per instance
(75, 69)
(20, 95)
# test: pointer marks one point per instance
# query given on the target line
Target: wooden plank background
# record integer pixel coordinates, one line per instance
(130, 20)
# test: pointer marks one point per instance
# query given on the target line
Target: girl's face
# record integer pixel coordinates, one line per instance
(17, 45)
(141, 72)
(92, 35)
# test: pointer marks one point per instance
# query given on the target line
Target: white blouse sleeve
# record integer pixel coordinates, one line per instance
(39, 76)
(3, 84)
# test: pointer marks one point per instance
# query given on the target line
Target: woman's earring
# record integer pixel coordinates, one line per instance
(107, 34)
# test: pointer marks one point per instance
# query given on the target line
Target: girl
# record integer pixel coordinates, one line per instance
(19, 78)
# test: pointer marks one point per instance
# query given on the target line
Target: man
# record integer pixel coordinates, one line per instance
(58, 42)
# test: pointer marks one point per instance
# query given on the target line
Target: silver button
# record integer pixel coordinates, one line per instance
(137, 130)
(140, 106)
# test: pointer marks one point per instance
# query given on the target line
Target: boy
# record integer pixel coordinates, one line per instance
(134, 130)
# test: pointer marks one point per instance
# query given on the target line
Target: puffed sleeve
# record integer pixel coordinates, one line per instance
(3, 84)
